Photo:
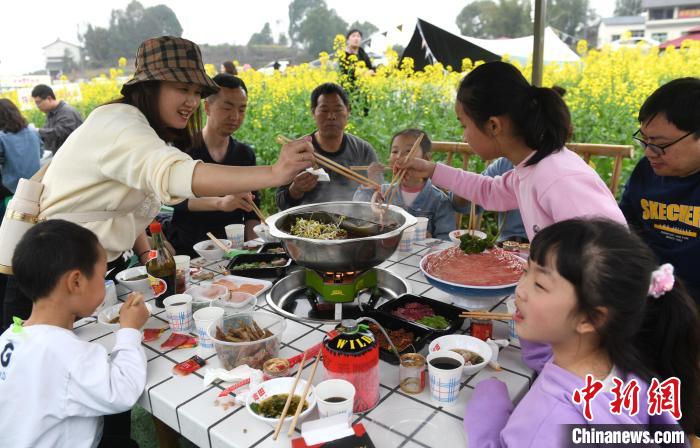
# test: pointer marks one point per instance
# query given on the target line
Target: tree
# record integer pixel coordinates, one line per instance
(297, 13)
(264, 37)
(68, 64)
(319, 28)
(487, 19)
(628, 7)
(282, 40)
(367, 28)
(127, 29)
(571, 17)
(473, 19)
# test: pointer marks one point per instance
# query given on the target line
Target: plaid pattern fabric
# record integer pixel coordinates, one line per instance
(169, 58)
(180, 322)
(444, 391)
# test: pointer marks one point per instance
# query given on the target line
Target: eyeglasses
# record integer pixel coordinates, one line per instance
(659, 150)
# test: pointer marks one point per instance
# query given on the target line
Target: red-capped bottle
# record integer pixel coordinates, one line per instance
(160, 266)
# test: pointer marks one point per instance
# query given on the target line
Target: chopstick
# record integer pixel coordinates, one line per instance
(258, 212)
(396, 181)
(345, 171)
(218, 242)
(306, 392)
(486, 315)
(278, 428)
(472, 216)
(366, 167)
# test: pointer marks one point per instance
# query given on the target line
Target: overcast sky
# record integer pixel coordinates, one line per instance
(29, 25)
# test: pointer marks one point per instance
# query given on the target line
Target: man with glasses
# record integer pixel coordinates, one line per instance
(662, 197)
(61, 119)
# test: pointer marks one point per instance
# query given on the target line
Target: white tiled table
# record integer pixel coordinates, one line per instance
(189, 408)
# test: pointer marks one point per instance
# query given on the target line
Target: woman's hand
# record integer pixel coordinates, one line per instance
(294, 157)
(416, 167)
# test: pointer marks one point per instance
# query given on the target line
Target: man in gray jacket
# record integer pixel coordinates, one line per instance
(61, 119)
(330, 107)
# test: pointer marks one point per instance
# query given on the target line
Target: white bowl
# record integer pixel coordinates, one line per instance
(110, 313)
(263, 232)
(281, 386)
(464, 342)
(134, 285)
(210, 251)
(455, 234)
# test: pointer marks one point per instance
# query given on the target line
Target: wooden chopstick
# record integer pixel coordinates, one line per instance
(281, 139)
(218, 242)
(344, 171)
(487, 315)
(258, 212)
(300, 406)
(366, 167)
(396, 181)
(472, 216)
(278, 428)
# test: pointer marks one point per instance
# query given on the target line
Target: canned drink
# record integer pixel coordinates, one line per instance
(510, 305)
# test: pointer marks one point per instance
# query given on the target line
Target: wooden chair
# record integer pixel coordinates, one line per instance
(585, 150)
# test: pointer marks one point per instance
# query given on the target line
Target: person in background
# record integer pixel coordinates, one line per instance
(330, 107)
(61, 119)
(20, 149)
(228, 67)
(416, 195)
(354, 53)
(54, 387)
(661, 200)
(193, 218)
(595, 296)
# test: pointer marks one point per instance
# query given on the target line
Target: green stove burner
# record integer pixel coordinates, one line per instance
(340, 287)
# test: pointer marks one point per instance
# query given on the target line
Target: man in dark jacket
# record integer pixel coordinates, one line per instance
(61, 119)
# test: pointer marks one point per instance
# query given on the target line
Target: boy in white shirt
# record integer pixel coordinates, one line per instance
(54, 387)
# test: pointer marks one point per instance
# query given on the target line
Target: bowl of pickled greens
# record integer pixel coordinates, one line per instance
(267, 401)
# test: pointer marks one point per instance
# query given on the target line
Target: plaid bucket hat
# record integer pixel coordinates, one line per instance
(169, 58)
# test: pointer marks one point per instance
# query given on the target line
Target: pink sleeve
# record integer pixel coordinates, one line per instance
(580, 195)
(487, 413)
(492, 193)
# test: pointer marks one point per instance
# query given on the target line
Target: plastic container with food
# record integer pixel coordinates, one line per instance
(203, 295)
(272, 248)
(247, 338)
(413, 337)
(260, 265)
(416, 309)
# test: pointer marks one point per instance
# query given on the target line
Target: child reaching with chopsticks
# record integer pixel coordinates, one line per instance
(594, 293)
(54, 387)
(504, 116)
(415, 194)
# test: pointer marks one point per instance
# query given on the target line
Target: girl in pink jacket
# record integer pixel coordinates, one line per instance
(586, 294)
(504, 116)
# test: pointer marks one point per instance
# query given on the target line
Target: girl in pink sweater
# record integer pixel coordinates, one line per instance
(504, 116)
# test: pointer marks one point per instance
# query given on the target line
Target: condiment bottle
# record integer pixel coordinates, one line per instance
(160, 267)
(482, 329)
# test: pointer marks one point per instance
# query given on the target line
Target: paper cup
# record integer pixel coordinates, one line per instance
(202, 319)
(421, 228)
(328, 394)
(406, 244)
(444, 383)
(178, 308)
(236, 234)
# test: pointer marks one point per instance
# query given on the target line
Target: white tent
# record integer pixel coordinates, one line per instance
(521, 48)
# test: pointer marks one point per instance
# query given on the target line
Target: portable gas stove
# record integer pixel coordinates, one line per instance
(309, 296)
